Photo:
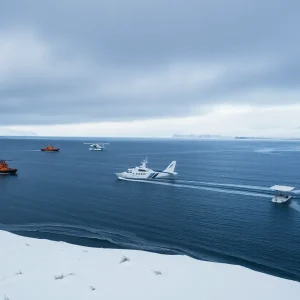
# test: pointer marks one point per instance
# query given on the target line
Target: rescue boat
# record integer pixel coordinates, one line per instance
(50, 148)
(4, 169)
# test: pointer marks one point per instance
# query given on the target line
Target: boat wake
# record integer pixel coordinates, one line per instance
(227, 185)
(209, 186)
(277, 150)
(295, 205)
(265, 150)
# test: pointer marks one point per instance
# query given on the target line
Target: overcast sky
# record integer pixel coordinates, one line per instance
(150, 67)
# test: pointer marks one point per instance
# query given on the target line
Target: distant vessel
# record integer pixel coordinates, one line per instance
(143, 172)
(97, 146)
(4, 169)
(50, 148)
(282, 193)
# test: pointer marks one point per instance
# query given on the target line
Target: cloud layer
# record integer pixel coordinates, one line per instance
(118, 61)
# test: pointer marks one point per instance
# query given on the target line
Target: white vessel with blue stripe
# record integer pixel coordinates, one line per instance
(144, 173)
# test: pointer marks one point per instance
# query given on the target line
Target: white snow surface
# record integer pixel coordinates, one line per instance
(28, 268)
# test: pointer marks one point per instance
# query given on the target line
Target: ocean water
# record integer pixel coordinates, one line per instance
(218, 208)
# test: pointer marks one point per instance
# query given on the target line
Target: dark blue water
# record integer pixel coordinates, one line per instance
(217, 209)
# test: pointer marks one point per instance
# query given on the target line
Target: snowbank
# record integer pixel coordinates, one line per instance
(33, 269)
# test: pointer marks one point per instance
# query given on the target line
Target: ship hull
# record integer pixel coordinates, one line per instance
(146, 176)
(54, 150)
(8, 172)
(281, 199)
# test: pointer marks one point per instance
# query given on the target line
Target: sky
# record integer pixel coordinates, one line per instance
(150, 68)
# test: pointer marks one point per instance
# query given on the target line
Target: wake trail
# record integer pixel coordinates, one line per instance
(296, 206)
(197, 187)
(227, 185)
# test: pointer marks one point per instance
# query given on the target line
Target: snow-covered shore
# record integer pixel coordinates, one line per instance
(33, 269)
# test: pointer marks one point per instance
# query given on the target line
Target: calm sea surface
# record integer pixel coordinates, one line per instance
(218, 208)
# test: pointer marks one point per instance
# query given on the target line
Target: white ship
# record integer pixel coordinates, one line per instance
(282, 193)
(143, 172)
(97, 146)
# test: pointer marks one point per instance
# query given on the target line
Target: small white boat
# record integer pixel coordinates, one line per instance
(97, 146)
(282, 193)
(144, 173)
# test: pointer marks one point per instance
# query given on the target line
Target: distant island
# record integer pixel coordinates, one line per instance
(201, 136)
(264, 138)
(213, 136)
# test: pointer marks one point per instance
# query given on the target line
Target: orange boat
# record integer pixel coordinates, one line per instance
(50, 148)
(4, 169)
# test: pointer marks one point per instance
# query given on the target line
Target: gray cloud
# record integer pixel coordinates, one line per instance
(126, 60)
